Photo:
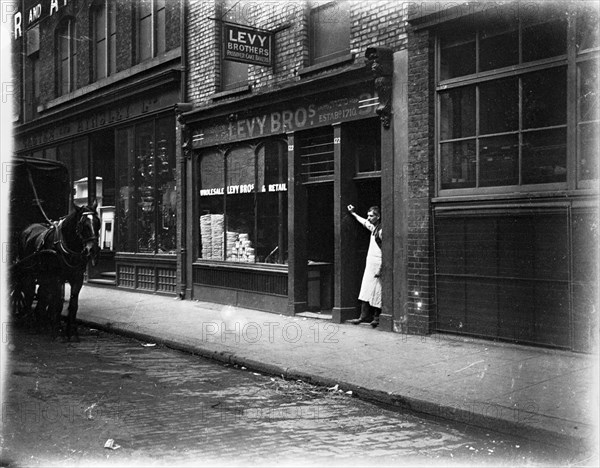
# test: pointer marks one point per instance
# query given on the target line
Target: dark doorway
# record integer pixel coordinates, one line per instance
(320, 246)
(102, 152)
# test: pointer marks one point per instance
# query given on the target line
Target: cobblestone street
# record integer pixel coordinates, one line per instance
(163, 407)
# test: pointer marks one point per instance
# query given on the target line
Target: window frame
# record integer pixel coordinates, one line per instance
(314, 11)
(109, 64)
(158, 31)
(568, 60)
(66, 84)
(223, 154)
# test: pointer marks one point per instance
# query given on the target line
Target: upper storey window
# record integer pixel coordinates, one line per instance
(151, 39)
(66, 57)
(503, 117)
(329, 30)
(104, 23)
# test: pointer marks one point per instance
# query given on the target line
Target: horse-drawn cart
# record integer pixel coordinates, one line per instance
(49, 244)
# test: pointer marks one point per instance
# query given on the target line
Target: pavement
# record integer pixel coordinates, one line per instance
(538, 394)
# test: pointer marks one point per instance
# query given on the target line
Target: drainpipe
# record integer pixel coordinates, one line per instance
(182, 153)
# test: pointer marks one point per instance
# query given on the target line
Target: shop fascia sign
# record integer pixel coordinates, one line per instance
(247, 45)
(357, 105)
(32, 15)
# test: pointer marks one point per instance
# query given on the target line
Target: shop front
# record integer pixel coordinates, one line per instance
(270, 185)
(127, 147)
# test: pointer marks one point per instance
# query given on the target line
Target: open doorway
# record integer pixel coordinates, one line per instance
(320, 246)
(102, 152)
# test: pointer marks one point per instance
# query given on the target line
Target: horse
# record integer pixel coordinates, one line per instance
(49, 255)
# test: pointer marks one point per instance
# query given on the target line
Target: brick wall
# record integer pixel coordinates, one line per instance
(420, 182)
(372, 23)
(80, 12)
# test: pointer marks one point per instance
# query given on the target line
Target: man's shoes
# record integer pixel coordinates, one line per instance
(375, 323)
(358, 321)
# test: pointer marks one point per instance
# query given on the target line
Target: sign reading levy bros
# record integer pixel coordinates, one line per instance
(357, 104)
(247, 45)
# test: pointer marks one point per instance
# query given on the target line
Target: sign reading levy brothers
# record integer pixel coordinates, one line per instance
(358, 105)
(247, 45)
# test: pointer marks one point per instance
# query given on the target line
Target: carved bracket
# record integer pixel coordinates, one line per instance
(186, 137)
(379, 60)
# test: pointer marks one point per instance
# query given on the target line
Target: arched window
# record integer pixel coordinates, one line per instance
(104, 34)
(66, 57)
(151, 39)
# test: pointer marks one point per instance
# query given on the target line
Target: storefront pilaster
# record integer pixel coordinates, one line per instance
(344, 193)
(297, 214)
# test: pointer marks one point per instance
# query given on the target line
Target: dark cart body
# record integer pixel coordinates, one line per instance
(52, 193)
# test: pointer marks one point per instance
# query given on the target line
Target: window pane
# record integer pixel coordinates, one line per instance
(457, 54)
(167, 189)
(239, 204)
(545, 98)
(588, 91)
(100, 23)
(211, 204)
(316, 152)
(145, 38)
(233, 74)
(112, 51)
(160, 31)
(545, 40)
(458, 113)
(458, 164)
(271, 205)
(366, 144)
(499, 106)
(545, 156)
(588, 151)
(330, 31)
(498, 48)
(101, 60)
(499, 161)
(146, 225)
(145, 8)
(588, 25)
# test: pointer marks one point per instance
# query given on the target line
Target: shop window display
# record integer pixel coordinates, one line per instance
(147, 191)
(243, 203)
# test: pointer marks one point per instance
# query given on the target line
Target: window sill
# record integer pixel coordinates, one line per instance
(222, 264)
(367, 175)
(231, 92)
(508, 196)
(325, 65)
(112, 79)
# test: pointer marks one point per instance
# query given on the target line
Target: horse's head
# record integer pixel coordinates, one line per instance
(88, 230)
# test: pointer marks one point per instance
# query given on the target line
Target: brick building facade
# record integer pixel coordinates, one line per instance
(97, 82)
(228, 181)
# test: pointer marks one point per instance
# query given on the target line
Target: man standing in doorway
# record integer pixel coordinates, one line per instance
(370, 289)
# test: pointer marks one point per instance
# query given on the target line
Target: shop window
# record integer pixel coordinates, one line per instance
(329, 29)
(146, 208)
(66, 57)
(507, 127)
(316, 152)
(151, 24)
(104, 34)
(588, 121)
(243, 204)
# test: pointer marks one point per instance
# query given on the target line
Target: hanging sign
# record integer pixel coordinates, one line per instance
(247, 45)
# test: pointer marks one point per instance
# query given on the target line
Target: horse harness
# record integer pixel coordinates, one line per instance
(69, 258)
